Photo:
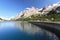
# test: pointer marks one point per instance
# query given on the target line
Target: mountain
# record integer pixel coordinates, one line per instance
(1, 19)
(56, 7)
(41, 11)
(27, 12)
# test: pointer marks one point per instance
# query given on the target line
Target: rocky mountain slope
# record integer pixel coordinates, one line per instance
(32, 11)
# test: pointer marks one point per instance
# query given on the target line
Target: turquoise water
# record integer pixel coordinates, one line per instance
(19, 30)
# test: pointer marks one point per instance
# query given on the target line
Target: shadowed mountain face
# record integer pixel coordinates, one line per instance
(58, 8)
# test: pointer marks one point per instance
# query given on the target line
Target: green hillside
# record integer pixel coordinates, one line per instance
(1, 19)
(51, 16)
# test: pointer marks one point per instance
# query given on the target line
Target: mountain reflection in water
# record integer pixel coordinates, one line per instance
(22, 30)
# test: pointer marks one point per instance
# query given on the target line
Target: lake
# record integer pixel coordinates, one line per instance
(22, 30)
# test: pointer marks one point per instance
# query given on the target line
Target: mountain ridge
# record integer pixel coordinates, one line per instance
(31, 11)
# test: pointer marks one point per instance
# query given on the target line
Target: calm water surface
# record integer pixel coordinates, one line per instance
(19, 30)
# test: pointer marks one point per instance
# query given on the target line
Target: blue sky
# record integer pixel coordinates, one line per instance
(10, 8)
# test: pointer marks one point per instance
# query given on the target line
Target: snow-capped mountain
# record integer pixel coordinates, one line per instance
(27, 12)
(31, 11)
(56, 7)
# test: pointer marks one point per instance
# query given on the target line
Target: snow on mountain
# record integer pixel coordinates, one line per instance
(27, 12)
(31, 11)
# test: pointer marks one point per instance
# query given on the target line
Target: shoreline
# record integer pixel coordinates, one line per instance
(50, 26)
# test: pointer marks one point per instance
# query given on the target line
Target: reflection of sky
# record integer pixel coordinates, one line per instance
(27, 27)
(6, 24)
(24, 30)
(32, 29)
